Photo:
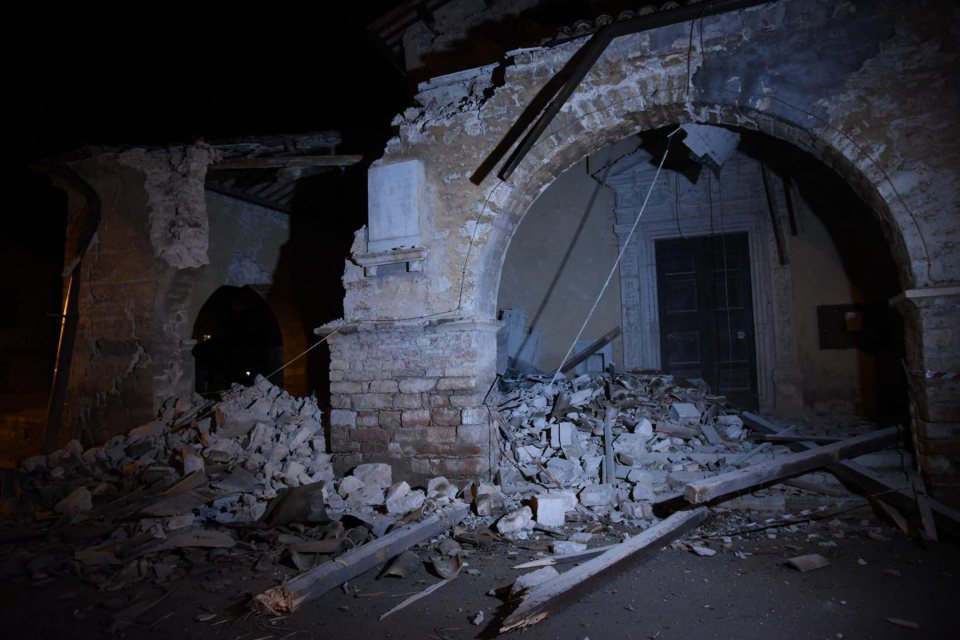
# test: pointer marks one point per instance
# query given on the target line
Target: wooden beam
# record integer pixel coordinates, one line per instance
(709, 488)
(551, 596)
(774, 218)
(870, 484)
(239, 194)
(557, 91)
(591, 349)
(287, 162)
(311, 584)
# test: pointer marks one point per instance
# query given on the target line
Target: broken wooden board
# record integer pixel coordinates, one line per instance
(551, 596)
(704, 490)
(285, 598)
(901, 497)
(591, 349)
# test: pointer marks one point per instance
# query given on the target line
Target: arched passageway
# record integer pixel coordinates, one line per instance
(237, 339)
(767, 277)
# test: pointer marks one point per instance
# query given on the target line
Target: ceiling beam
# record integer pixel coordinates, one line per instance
(287, 162)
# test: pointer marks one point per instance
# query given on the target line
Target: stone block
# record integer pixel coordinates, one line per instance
(446, 417)
(684, 413)
(376, 474)
(476, 415)
(644, 429)
(473, 434)
(550, 509)
(438, 400)
(417, 385)
(344, 387)
(415, 418)
(563, 547)
(390, 419)
(516, 521)
(462, 467)
(373, 434)
(348, 485)
(383, 386)
(370, 401)
(597, 495)
(77, 501)
(456, 384)
(343, 418)
(342, 400)
(466, 400)
(409, 401)
(368, 419)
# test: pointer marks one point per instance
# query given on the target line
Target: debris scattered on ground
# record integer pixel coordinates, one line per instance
(808, 562)
(589, 466)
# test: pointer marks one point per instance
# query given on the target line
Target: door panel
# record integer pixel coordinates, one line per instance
(706, 313)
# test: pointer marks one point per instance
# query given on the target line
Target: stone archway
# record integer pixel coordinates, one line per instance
(797, 70)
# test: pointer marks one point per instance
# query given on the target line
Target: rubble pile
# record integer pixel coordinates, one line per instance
(663, 433)
(256, 442)
(245, 476)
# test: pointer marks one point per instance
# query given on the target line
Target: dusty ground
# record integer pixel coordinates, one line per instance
(676, 594)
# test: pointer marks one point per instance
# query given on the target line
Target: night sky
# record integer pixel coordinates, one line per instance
(166, 79)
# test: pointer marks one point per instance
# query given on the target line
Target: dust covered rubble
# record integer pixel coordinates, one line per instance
(245, 476)
(665, 432)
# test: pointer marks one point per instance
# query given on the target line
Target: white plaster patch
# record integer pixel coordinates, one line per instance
(473, 229)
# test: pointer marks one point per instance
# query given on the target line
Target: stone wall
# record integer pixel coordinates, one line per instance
(868, 88)
(415, 396)
(161, 247)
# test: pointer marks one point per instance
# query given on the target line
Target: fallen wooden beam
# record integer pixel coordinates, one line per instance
(703, 490)
(285, 598)
(591, 349)
(871, 484)
(553, 595)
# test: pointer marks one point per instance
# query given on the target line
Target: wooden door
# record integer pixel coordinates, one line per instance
(706, 314)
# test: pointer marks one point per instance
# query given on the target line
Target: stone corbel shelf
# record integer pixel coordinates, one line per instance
(411, 256)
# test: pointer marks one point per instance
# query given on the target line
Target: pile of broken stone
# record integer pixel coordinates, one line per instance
(249, 471)
(250, 474)
(664, 432)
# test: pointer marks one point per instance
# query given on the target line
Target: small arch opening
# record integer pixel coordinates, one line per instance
(237, 338)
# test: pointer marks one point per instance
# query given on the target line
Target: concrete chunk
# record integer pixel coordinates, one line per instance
(377, 474)
(78, 501)
(516, 521)
(684, 413)
(551, 509)
(597, 495)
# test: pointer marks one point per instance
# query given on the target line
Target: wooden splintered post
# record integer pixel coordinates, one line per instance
(709, 488)
(285, 598)
(552, 595)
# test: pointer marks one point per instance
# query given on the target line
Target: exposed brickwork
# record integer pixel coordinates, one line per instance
(387, 408)
(149, 269)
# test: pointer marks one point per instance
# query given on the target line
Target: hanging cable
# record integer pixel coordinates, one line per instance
(616, 263)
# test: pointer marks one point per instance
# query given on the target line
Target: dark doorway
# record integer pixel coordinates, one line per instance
(706, 314)
(237, 338)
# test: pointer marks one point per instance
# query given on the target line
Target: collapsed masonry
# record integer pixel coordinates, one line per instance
(414, 357)
(247, 479)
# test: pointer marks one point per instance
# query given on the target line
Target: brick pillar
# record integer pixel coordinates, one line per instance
(932, 328)
(413, 396)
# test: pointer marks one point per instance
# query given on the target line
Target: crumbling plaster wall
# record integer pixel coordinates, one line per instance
(560, 257)
(869, 88)
(157, 255)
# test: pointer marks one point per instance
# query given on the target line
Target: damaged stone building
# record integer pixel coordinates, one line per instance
(606, 249)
